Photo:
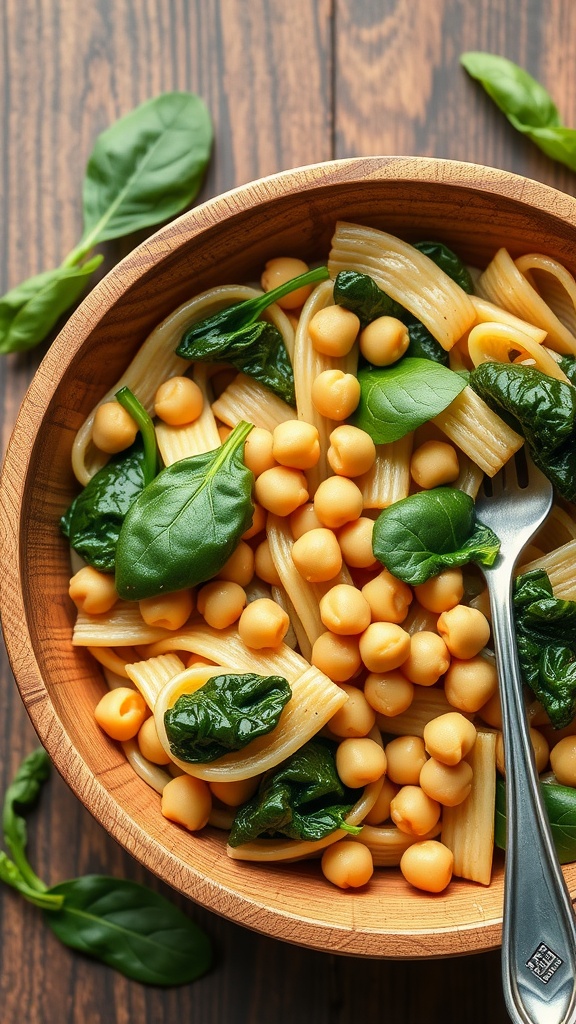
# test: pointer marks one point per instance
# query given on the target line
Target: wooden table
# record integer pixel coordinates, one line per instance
(288, 82)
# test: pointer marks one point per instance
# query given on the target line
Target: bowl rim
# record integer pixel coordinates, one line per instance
(144, 258)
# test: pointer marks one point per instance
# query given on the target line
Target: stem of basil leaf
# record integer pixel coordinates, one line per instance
(310, 277)
(138, 413)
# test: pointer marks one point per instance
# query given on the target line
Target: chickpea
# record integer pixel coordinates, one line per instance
(405, 756)
(380, 812)
(441, 592)
(491, 711)
(347, 864)
(434, 463)
(149, 743)
(355, 540)
(234, 794)
(384, 646)
(92, 591)
(281, 490)
(359, 761)
(221, 603)
(338, 501)
(481, 602)
(258, 522)
(303, 519)
(170, 611)
(449, 784)
(113, 429)
(317, 556)
(178, 400)
(540, 749)
(428, 865)
(388, 597)
(344, 610)
(335, 394)
(337, 656)
(239, 568)
(224, 432)
(465, 631)
(469, 684)
(120, 713)
(258, 447)
(413, 811)
(281, 270)
(389, 693)
(333, 330)
(355, 717)
(296, 444)
(563, 761)
(187, 801)
(428, 659)
(384, 341)
(264, 566)
(449, 737)
(352, 451)
(263, 623)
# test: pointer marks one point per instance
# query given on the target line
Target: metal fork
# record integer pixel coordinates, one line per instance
(539, 928)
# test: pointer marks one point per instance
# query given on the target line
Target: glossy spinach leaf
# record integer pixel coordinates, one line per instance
(225, 714)
(568, 366)
(396, 399)
(546, 642)
(423, 344)
(560, 804)
(302, 799)
(93, 521)
(29, 311)
(417, 537)
(361, 295)
(525, 102)
(185, 525)
(448, 261)
(130, 928)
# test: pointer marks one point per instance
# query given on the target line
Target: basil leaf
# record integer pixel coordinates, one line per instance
(23, 792)
(417, 537)
(130, 928)
(147, 167)
(302, 799)
(560, 804)
(185, 525)
(93, 521)
(29, 311)
(448, 261)
(361, 295)
(225, 714)
(396, 399)
(527, 104)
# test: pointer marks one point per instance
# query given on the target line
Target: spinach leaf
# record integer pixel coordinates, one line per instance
(546, 642)
(568, 365)
(526, 104)
(302, 799)
(417, 537)
(396, 399)
(448, 261)
(93, 521)
(144, 169)
(225, 714)
(235, 335)
(560, 804)
(29, 311)
(361, 295)
(185, 525)
(130, 928)
(423, 344)
(542, 409)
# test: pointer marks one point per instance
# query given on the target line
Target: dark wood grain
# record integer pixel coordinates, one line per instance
(287, 84)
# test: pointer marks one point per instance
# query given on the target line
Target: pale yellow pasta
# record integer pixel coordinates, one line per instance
(560, 565)
(558, 529)
(123, 626)
(150, 675)
(405, 274)
(389, 479)
(281, 597)
(427, 703)
(479, 432)
(468, 828)
(470, 477)
(494, 342)
(112, 661)
(489, 312)
(247, 399)
(387, 843)
(180, 442)
(150, 773)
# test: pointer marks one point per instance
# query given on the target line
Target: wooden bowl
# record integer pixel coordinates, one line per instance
(475, 210)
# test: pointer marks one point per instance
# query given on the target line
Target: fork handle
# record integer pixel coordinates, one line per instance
(539, 929)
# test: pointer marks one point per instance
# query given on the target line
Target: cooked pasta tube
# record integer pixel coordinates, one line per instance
(180, 442)
(427, 704)
(554, 283)
(506, 283)
(389, 478)
(114, 662)
(558, 529)
(387, 843)
(468, 828)
(493, 342)
(478, 431)
(405, 274)
(151, 676)
(560, 565)
(155, 776)
(247, 399)
(123, 626)
(470, 476)
(281, 598)
(489, 312)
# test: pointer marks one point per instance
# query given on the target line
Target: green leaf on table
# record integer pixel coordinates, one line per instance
(29, 311)
(395, 400)
(525, 102)
(130, 928)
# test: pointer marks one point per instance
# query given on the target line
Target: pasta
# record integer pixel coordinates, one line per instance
(342, 648)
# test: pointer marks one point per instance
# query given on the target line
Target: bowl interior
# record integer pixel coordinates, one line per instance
(473, 209)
